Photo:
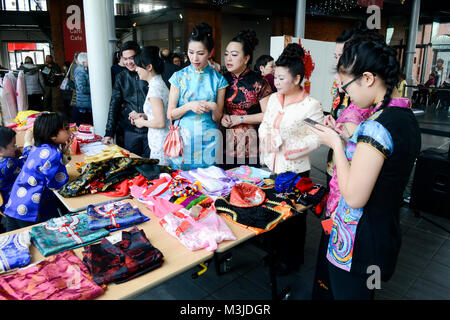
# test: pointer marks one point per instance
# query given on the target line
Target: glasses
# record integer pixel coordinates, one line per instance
(344, 87)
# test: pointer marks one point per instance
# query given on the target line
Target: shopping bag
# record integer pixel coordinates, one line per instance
(173, 144)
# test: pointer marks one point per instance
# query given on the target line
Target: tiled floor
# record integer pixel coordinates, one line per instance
(422, 272)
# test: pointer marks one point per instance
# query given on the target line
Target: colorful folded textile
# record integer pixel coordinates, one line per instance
(63, 233)
(61, 277)
(249, 174)
(14, 251)
(114, 216)
(121, 257)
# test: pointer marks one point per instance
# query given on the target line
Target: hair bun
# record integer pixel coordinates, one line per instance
(249, 37)
(293, 51)
(202, 29)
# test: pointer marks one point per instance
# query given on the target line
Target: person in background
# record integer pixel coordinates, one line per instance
(117, 67)
(52, 81)
(82, 113)
(286, 143)
(169, 67)
(176, 59)
(245, 102)
(149, 67)
(196, 98)
(366, 227)
(128, 94)
(34, 81)
(66, 95)
(11, 162)
(73, 101)
(402, 91)
(31, 200)
(265, 65)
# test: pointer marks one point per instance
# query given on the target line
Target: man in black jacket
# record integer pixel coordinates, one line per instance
(128, 94)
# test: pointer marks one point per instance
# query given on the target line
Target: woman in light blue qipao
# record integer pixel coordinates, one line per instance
(196, 97)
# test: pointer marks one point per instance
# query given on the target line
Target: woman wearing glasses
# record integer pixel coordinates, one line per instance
(366, 235)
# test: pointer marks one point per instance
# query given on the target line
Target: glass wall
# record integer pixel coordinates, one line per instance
(23, 5)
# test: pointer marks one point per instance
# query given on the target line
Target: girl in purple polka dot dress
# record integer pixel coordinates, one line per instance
(31, 201)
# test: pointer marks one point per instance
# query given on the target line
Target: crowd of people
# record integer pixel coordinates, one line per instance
(253, 116)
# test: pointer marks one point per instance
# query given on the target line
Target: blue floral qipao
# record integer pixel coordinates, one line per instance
(64, 233)
(14, 251)
(199, 132)
(9, 170)
(43, 169)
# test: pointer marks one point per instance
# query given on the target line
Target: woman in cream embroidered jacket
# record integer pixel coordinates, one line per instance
(286, 141)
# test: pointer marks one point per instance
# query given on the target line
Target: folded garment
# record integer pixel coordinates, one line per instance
(63, 233)
(249, 174)
(14, 251)
(61, 277)
(203, 232)
(121, 257)
(215, 181)
(102, 175)
(114, 215)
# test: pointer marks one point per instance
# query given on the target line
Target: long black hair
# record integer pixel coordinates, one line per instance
(203, 33)
(375, 57)
(292, 58)
(46, 126)
(249, 41)
(150, 55)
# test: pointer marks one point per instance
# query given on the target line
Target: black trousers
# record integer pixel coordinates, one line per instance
(349, 286)
(321, 286)
(136, 143)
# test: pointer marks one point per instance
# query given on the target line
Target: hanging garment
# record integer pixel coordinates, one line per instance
(61, 277)
(254, 208)
(118, 260)
(14, 251)
(63, 233)
(214, 180)
(105, 174)
(9, 102)
(21, 92)
(249, 174)
(115, 215)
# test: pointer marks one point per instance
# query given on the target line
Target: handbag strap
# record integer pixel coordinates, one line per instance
(171, 120)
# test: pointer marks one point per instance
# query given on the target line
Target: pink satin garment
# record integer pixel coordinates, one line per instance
(159, 206)
(21, 93)
(61, 277)
(9, 102)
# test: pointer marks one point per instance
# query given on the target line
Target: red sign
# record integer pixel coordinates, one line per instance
(21, 46)
(366, 3)
(74, 36)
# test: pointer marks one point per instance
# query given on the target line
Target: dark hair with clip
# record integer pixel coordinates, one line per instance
(150, 55)
(46, 126)
(249, 41)
(6, 136)
(375, 57)
(292, 58)
(203, 33)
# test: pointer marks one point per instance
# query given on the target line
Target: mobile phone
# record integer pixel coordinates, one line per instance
(310, 121)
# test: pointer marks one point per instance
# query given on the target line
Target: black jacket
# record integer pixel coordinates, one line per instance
(128, 94)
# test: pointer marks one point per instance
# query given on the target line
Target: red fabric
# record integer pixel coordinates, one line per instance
(304, 184)
(123, 188)
(246, 195)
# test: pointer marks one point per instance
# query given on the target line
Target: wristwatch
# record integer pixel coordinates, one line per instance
(242, 119)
